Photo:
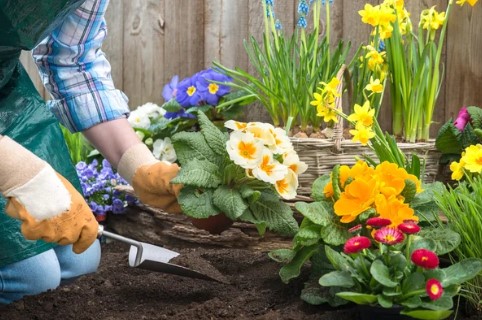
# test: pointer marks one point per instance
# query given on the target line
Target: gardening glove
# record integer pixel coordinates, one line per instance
(150, 178)
(49, 207)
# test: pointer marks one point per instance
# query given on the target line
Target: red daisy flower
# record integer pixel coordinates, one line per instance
(356, 244)
(425, 258)
(389, 236)
(409, 227)
(378, 222)
(434, 289)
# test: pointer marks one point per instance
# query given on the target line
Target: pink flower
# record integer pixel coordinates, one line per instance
(409, 227)
(389, 236)
(378, 222)
(425, 258)
(434, 289)
(356, 244)
(462, 118)
(355, 228)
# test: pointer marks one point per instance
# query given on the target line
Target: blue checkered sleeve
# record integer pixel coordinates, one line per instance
(76, 72)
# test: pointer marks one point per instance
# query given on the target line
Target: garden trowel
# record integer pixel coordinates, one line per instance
(147, 256)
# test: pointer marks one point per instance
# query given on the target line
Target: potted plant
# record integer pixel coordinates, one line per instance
(241, 175)
(369, 239)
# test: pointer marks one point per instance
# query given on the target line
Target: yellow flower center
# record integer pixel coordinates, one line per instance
(246, 150)
(266, 166)
(434, 289)
(213, 88)
(282, 185)
(191, 90)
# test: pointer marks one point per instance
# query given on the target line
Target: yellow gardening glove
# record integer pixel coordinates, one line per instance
(150, 178)
(49, 207)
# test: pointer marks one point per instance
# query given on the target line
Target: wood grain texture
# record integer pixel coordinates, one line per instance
(29, 65)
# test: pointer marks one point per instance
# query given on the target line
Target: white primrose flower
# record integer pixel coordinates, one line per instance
(139, 119)
(262, 131)
(287, 186)
(244, 149)
(292, 161)
(152, 110)
(164, 150)
(282, 143)
(235, 125)
(270, 170)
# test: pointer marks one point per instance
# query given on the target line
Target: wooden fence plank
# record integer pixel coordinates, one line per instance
(113, 45)
(31, 68)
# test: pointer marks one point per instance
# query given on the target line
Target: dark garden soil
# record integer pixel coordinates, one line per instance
(119, 292)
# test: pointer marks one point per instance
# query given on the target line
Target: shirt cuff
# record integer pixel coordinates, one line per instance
(78, 113)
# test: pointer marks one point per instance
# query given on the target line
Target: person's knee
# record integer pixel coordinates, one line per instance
(29, 277)
(73, 265)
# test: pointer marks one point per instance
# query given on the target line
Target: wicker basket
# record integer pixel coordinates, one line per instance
(321, 155)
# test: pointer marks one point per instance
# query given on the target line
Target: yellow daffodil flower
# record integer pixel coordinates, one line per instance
(362, 134)
(362, 114)
(374, 86)
(471, 2)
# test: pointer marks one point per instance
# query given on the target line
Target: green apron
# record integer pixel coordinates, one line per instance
(24, 117)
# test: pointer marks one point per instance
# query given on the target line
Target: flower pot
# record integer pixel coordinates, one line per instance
(214, 224)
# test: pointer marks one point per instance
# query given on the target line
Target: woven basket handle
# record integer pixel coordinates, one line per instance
(338, 127)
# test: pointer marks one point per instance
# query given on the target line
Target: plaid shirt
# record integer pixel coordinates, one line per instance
(76, 72)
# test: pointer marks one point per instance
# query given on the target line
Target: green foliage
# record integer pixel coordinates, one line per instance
(213, 184)
(79, 147)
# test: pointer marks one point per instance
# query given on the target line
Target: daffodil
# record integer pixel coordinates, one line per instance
(362, 114)
(370, 15)
(375, 86)
(471, 2)
(362, 134)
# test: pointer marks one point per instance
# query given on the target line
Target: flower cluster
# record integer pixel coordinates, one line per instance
(368, 241)
(325, 99)
(206, 87)
(144, 119)
(98, 182)
(266, 153)
(407, 58)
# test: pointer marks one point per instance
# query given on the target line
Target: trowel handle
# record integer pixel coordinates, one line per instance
(137, 244)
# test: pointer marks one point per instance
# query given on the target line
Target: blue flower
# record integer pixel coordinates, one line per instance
(169, 91)
(302, 23)
(381, 46)
(210, 91)
(269, 2)
(278, 25)
(187, 93)
(303, 8)
(323, 2)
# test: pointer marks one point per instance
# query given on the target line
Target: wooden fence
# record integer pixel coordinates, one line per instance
(149, 41)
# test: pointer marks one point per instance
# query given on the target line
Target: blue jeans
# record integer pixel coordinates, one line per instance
(46, 271)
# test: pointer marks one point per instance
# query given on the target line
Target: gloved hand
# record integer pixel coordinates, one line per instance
(49, 207)
(150, 178)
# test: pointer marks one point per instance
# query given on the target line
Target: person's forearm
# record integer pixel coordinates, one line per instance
(112, 139)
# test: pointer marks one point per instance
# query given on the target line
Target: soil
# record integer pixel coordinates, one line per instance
(119, 292)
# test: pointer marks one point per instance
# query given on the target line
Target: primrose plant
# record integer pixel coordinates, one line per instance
(241, 175)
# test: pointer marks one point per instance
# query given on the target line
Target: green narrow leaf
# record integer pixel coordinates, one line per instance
(293, 268)
(214, 137)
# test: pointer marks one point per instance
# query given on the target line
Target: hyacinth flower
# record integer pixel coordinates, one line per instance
(98, 182)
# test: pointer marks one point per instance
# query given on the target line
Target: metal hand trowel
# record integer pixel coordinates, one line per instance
(147, 256)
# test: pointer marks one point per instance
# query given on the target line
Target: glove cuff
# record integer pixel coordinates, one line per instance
(136, 156)
(19, 165)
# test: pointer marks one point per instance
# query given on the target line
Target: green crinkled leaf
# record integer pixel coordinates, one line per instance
(197, 204)
(308, 236)
(214, 137)
(381, 273)
(172, 106)
(276, 214)
(449, 139)
(229, 201)
(293, 268)
(192, 145)
(424, 203)
(282, 255)
(318, 186)
(428, 314)
(199, 173)
(358, 298)
(468, 136)
(446, 240)
(320, 212)
(334, 234)
(250, 194)
(409, 191)
(475, 116)
(337, 279)
(462, 271)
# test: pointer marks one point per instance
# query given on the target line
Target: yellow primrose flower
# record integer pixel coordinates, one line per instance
(391, 178)
(473, 158)
(269, 170)
(362, 114)
(394, 209)
(370, 14)
(471, 2)
(457, 169)
(292, 161)
(235, 125)
(374, 86)
(358, 197)
(282, 143)
(262, 131)
(362, 134)
(244, 149)
(287, 186)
